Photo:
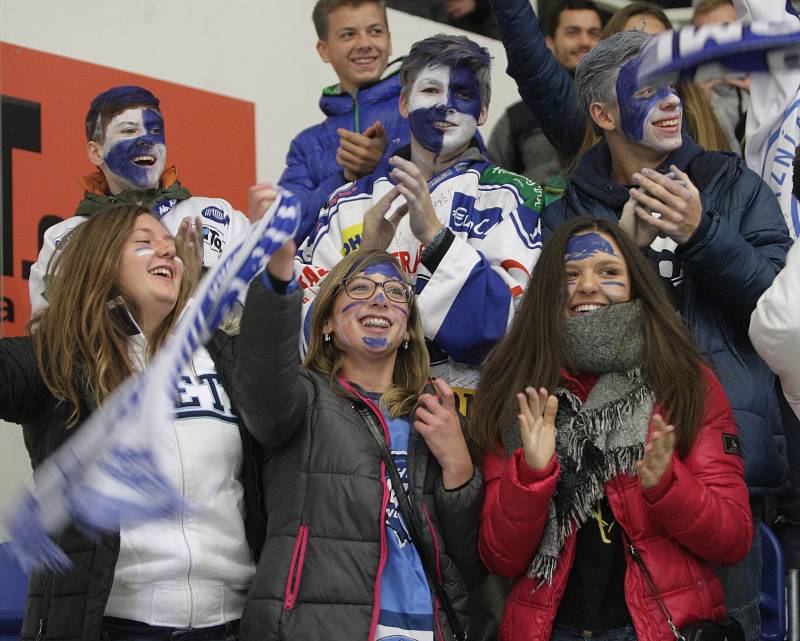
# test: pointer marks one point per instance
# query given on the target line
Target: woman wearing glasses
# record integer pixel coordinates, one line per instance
(344, 557)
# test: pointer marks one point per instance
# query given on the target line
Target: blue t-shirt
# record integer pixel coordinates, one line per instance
(406, 609)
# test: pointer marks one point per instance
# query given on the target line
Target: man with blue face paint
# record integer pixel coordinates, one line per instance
(715, 233)
(126, 142)
(468, 230)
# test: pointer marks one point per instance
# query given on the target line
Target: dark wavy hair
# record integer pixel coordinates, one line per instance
(533, 352)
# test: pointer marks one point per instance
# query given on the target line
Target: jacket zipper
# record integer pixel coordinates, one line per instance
(183, 526)
(438, 571)
(48, 595)
(356, 115)
(296, 569)
(375, 414)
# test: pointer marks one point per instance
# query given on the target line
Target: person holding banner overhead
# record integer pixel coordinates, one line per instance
(117, 292)
(372, 496)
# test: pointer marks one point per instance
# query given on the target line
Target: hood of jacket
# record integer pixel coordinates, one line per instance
(335, 102)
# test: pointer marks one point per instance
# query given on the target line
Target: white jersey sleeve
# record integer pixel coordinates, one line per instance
(775, 327)
(55, 238)
(772, 128)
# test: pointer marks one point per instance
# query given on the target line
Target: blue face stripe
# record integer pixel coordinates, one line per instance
(352, 305)
(386, 269)
(633, 111)
(581, 246)
(375, 341)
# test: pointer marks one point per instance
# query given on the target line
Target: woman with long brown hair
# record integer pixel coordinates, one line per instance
(349, 555)
(115, 293)
(618, 442)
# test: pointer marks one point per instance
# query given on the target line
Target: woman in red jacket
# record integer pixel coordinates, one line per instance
(635, 449)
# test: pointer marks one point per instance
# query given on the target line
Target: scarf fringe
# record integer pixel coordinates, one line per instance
(586, 466)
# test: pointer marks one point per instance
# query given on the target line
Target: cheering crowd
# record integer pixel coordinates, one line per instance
(544, 388)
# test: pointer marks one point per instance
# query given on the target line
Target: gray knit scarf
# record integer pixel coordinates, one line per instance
(602, 437)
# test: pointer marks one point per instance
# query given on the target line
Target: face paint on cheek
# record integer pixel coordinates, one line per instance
(430, 137)
(352, 306)
(144, 251)
(582, 246)
(403, 311)
(612, 283)
(464, 92)
(634, 112)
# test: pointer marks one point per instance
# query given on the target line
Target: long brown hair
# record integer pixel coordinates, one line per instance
(412, 367)
(534, 353)
(81, 345)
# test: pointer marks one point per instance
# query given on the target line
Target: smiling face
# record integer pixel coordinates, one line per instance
(372, 327)
(133, 151)
(149, 276)
(577, 33)
(595, 273)
(650, 116)
(357, 45)
(443, 108)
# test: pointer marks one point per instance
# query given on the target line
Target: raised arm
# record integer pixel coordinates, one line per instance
(544, 85)
(271, 393)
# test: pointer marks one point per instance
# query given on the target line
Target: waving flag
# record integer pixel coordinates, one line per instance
(767, 46)
(733, 47)
(109, 470)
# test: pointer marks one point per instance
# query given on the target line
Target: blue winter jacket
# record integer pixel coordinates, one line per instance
(716, 278)
(311, 170)
(546, 88)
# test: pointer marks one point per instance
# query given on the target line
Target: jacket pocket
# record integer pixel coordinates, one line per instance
(296, 568)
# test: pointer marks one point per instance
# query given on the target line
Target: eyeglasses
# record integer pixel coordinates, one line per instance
(360, 288)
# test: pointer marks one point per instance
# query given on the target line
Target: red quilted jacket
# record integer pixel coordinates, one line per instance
(698, 515)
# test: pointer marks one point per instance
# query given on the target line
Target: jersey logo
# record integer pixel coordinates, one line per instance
(213, 238)
(216, 214)
(466, 219)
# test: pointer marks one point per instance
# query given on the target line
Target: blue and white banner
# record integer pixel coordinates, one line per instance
(109, 470)
(765, 45)
(732, 48)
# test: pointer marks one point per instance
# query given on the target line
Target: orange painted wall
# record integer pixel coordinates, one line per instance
(210, 138)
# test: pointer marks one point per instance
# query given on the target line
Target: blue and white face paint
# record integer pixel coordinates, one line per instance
(375, 326)
(648, 115)
(444, 107)
(595, 273)
(134, 149)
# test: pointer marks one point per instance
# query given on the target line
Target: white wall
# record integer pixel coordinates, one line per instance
(256, 50)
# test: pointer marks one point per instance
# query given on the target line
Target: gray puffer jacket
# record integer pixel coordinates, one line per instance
(318, 577)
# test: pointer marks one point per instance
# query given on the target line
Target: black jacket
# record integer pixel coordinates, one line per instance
(716, 279)
(70, 606)
(317, 578)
